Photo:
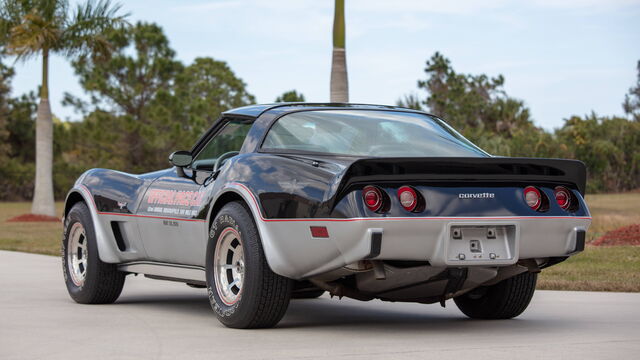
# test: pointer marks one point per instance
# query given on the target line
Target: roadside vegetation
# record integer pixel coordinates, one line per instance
(599, 268)
(142, 103)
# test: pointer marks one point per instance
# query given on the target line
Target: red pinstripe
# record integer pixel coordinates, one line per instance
(337, 219)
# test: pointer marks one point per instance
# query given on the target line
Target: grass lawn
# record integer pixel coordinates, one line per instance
(611, 211)
(597, 269)
(33, 237)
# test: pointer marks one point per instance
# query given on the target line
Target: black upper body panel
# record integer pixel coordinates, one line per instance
(115, 191)
(289, 185)
(295, 186)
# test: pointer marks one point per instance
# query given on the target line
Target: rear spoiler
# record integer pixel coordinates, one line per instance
(467, 169)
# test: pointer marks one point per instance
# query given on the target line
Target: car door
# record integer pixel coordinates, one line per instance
(172, 215)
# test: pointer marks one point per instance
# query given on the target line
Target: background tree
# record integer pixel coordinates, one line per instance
(17, 140)
(610, 146)
(21, 122)
(205, 89)
(290, 96)
(464, 100)
(130, 92)
(339, 79)
(473, 104)
(410, 101)
(5, 90)
(480, 108)
(631, 103)
(157, 104)
(40, 28)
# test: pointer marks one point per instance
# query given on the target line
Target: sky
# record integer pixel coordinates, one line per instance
(562, 57)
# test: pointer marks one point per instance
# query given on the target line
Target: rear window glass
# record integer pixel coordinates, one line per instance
(368, 133)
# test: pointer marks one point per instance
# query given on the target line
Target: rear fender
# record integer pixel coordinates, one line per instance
(275, 258)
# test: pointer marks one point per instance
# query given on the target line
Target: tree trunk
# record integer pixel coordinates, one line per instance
(43, 202)
(339, 79)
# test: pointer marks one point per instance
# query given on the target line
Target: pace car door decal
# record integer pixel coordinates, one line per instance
(179, 236)
(173, 202)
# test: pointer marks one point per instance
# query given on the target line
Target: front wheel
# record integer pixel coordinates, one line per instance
(504, 300)
(243, 291)
(88, 279)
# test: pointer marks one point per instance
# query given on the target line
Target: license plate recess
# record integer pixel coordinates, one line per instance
(481, 244)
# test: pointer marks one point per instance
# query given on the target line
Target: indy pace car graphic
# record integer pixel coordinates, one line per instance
(362, 201)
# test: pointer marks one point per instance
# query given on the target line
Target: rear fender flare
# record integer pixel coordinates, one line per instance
(275, 258)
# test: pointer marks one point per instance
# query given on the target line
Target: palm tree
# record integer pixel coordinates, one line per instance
(34, 28)
(339, 80)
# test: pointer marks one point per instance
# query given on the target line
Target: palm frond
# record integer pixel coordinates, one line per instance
(11, 14)
(31, 36)
(29, 26)
(86, 28)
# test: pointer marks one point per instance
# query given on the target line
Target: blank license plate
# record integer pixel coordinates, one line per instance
(471, 243)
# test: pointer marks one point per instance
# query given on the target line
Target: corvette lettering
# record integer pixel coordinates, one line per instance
(485, 195)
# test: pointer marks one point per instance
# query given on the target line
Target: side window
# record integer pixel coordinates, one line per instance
(230, 138)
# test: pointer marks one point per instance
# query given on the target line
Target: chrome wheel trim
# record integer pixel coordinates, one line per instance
(228, 266)
(77, 254)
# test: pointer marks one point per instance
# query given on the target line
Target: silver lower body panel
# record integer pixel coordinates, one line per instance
(292, 251)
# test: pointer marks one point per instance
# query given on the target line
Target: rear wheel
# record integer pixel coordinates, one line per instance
(504, 300)
(88, 279)
(243, 291)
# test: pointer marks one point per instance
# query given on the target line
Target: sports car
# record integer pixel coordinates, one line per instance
(293, 200)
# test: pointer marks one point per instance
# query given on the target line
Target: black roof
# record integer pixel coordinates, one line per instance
(256, 110)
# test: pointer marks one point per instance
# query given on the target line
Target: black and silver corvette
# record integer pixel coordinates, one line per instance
(362, 201)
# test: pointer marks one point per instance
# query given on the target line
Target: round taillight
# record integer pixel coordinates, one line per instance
(372, 197)
(408, 197)
(532, 197)
(563, 197)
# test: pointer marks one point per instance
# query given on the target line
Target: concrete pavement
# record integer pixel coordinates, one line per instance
(163, 320)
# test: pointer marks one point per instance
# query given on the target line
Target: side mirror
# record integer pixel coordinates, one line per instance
(181, 158)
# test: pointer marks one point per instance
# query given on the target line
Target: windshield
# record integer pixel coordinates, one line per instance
(368, 133)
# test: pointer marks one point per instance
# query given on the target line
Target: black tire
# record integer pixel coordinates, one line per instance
(264, 297)
(307, 294)
(504, 300)
(102, 282)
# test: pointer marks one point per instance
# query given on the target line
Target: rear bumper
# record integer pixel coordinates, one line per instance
(292, 251)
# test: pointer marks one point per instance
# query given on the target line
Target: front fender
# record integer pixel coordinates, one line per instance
(107, 248)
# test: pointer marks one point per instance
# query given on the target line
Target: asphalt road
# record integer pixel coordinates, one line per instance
(162, 320)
